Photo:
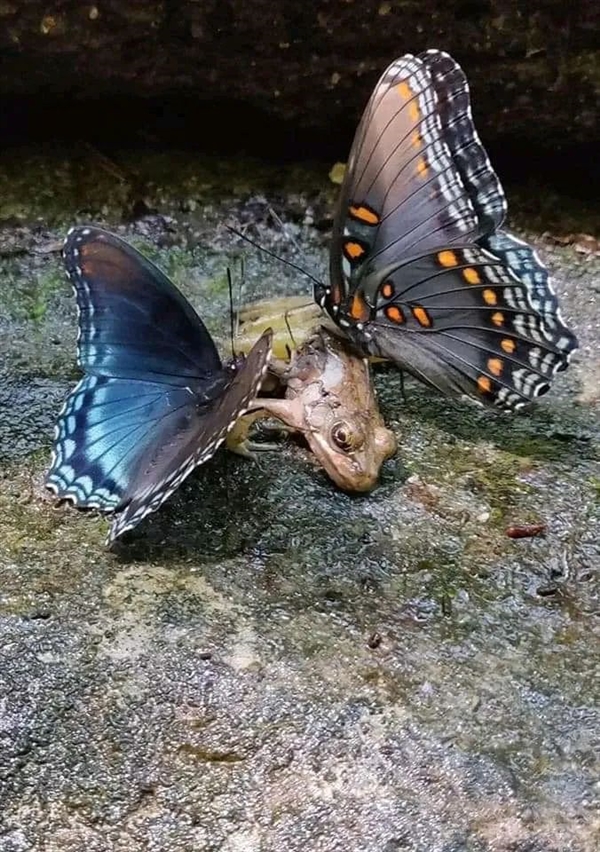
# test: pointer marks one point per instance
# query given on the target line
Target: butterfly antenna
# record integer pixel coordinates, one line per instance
(289, 328)
(240, 293)
(276, 256)
(231, 316)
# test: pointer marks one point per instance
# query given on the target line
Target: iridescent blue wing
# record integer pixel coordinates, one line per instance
(124, 445)
(156, 401)
(98, 435)
(188, 437)
(133, 322)
(414, 272)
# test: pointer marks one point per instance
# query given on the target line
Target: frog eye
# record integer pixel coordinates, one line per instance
(346, 436)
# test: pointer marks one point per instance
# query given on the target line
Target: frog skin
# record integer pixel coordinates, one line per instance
(329, 399)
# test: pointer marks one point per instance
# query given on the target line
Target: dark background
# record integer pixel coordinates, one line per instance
(287, 80)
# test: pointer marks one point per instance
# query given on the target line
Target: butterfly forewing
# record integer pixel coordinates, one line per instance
(469, 157)
(485, 191)
(133, 322)
(402, 193)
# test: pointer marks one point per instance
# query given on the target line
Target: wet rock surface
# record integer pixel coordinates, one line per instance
(268, 663)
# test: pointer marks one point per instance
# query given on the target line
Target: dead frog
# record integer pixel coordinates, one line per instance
(328, 394)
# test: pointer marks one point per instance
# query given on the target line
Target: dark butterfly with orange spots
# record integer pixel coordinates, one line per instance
(421, 271)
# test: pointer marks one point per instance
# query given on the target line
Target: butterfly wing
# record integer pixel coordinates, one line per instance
(155, 401)
(525, 263)
(133, 322)
(414, 274)
(99, 434)
(462, 321)
(480, 181)
(124, 445)
(188, 439)
(401, 193)
(485, 191)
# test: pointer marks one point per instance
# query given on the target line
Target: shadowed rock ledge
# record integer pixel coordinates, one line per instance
(533, 68)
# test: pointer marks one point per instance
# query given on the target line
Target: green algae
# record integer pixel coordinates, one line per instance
(29, 298)
(66, 185)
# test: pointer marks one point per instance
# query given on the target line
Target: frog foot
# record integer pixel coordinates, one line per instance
(239, 441)
(273, 428)
(249, 449)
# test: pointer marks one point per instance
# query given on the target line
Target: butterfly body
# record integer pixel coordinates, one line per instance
(155, 401)
(421, 272)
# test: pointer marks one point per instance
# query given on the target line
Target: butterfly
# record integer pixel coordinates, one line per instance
(421, 271)
(155, 401)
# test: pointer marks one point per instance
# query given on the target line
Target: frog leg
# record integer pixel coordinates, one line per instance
(281, 410)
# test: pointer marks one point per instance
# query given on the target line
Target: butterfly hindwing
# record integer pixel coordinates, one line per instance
(99, 434)
(526, 264)
(474, 322)
(188, 440)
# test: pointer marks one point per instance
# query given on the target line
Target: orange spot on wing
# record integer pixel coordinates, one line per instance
(471, 275)
(394, 314)
(353, 250)
(484, 384)
(495, 366)
(490, 297)
(414, 111)
(447, 258)
(416, 140)
(498, 318)
(404, 90)
(422, 317)
(422, 167)
(508, 345)
(387, 290)
(364, 214)
(359, 310)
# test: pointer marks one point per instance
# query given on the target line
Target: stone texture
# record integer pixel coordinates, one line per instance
(534, 68)
(214, 684)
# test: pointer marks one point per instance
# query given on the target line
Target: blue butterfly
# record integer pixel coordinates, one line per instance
(155, 401)
(422, 272)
